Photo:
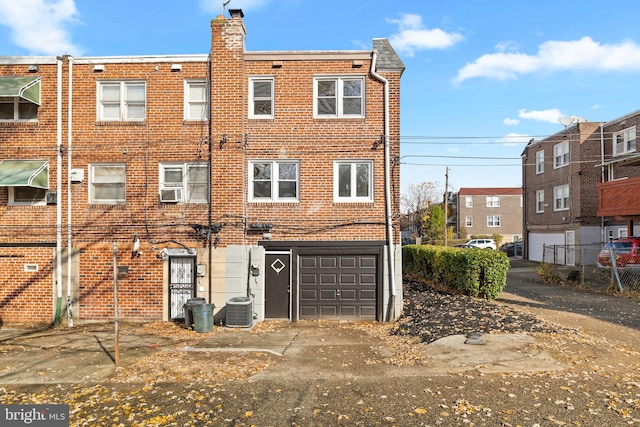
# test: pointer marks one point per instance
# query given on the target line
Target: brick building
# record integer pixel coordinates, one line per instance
(560, 181)
(489, 211)
(263, 175)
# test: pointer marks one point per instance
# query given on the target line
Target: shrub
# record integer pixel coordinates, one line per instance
(475, 272)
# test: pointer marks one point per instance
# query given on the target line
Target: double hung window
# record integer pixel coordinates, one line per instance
(493, 201)
(540, 201)
(121, 101)
(339, 97)
(561, 198)
(493, 221)
(107, 183)
(261, 97)
(561, 154)
(539, 162)
(195, 100)
(274, 180)
(184, 182)
(624, 142)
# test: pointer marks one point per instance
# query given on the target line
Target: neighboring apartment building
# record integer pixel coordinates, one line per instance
(560, 181)
(236, 174)
(489, 211)
(619, 189)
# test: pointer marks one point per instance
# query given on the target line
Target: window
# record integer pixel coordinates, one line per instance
(539, 162)
(493, 221)
(121, 101)
(493, 201)
(27, 196)
(184, 182)
(540, 201)
(19, 99)
(195, 100)
(468, 221)
(561, 154)
(624, 142)
(261, 97)
(561, 198)
(16, 109)
(468, 201)
(274, 180)
(107, 183)
(353, 181)
(339, 97)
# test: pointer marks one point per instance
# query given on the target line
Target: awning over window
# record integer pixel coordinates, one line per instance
(27, 88)
(24, 173)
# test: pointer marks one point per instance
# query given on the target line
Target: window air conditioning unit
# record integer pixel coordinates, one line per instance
(239, 312)
(170, 195)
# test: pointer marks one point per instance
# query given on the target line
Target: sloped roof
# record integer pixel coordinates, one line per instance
(491, 191)
(388, 59)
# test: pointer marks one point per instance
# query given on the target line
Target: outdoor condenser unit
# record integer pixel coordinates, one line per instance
(239, 312)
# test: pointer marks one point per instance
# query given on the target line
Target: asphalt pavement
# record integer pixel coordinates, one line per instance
(87, 353)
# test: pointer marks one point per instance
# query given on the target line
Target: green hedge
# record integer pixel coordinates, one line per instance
(475, 272)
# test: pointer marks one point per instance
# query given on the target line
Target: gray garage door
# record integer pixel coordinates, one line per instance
(338, 286)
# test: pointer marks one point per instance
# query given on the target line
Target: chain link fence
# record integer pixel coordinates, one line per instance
(576, 263)
(623, 274)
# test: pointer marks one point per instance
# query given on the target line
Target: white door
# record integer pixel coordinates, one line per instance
(570, 258)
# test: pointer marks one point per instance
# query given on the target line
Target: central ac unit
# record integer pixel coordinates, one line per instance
(170, 195)
(239, 312)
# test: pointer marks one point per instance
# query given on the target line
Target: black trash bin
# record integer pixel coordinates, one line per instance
(188, 311)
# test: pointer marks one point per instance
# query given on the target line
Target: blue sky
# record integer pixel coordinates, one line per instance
(482, 77)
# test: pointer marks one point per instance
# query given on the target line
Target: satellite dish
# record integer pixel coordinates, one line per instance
(566, 121)
(578, 119)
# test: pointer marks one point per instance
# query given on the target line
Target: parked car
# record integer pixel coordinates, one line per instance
(482, 243)
(462, 245)
(626, 250)
(512, 248)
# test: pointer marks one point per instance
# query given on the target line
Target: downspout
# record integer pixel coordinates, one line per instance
(387, 187)
(69, 202)
(56, 320)
(602, 235)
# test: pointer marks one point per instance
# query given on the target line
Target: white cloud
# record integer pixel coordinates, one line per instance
(554, 56)
(413, 36)
(40, 26)
(552, 115)
(511, 122)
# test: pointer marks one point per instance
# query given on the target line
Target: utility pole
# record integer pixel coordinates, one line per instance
(446, 203)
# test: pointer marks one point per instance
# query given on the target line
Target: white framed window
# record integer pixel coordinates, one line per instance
(561, 198)
(274, 180)
(561, 154)
(539, 162)
(468, 201)
(493, 221)
(493, 201)
(261, 97)
(624, 141)
(16, 109)
(184, 182)
(540, 201)
(121, 101)
(353, 181)
(107, 183)
(195, 100)
(28, 196)
(338, 96)
(468, 221)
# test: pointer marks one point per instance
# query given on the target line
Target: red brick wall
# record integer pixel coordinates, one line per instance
(139, 291)
(26, 297)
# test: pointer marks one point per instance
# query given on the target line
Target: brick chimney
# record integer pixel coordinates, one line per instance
(227, 117)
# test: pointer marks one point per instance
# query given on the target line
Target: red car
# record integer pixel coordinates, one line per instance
(626, 250)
